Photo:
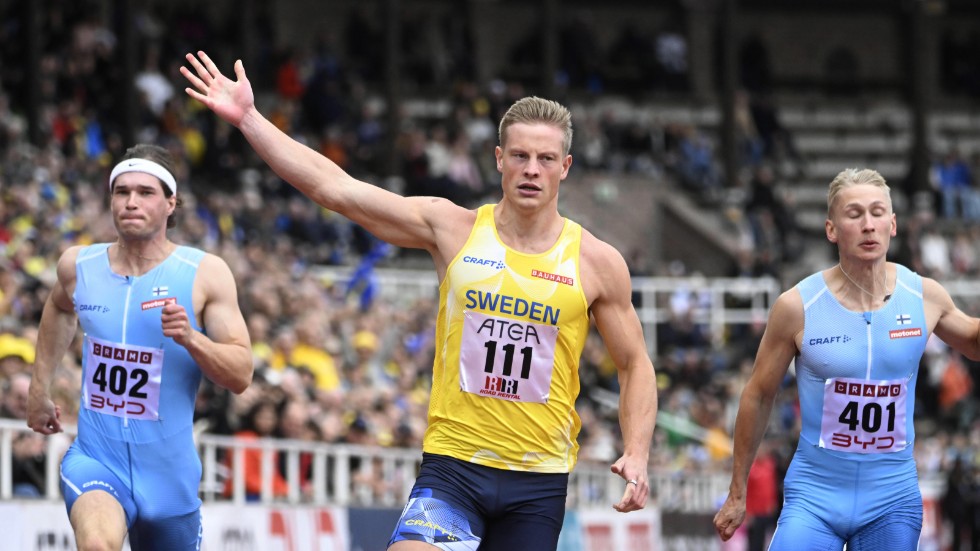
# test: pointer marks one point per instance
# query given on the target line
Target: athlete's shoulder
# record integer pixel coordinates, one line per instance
(84, 252)
(190, 254)
(786, 316)
(215, 274)
(447, 215)
(933, 293)
(597, 252)
(70, 254)
(66, 267)
(603, 269)
(790, 298)
(908, 276)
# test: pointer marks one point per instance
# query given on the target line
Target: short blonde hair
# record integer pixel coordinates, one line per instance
(855, 177)
(532, 110)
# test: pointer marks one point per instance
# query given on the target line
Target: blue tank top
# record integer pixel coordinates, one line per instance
(856, 371)
(123, 341)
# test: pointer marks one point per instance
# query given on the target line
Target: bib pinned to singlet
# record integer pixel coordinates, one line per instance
(122, 379)
(864, 416)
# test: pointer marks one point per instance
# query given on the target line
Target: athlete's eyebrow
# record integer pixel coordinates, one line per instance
(858, 204)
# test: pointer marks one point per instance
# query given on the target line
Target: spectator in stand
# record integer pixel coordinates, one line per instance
(955, 505)
(259, 423)
(750, 145)
(762, 498)
(764, 199)
(952, 179)
(15, 394)
(155, 88)
(310, 352)
(289, 80)
(464, 172)
(963, 253)
(935, 256)
(696, 164)
(28, 460)
(670, 47)
(16, 355)
(296, 424)
(777, 140)
(259, 332)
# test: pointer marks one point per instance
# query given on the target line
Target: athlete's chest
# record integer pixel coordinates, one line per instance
(884, 344)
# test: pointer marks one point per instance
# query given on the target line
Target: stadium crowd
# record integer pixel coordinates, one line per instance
(334, 361)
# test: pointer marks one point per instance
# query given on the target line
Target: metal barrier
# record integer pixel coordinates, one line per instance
(336, 474)
(715, 302)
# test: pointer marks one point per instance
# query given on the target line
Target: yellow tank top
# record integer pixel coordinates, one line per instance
(509, 335)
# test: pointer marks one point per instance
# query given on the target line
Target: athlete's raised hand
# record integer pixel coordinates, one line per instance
(230, 100)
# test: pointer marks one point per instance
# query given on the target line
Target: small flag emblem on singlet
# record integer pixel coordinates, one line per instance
(903, 319)
(161, 291)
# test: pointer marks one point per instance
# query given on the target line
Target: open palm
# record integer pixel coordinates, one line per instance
(230, 100)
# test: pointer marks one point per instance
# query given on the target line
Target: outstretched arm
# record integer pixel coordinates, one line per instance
(777, 349)
(404, 221)
(622, 334)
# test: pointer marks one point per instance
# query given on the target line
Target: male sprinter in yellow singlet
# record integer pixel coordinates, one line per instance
(517, 285)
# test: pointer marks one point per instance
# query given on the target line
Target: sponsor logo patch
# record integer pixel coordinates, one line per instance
(553, 277)
(829, 340)
(498, 264)
(905, 333)
(158, 303)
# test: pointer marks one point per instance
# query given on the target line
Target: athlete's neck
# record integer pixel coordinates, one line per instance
(528, 232)
(141, 254)
(871, 281)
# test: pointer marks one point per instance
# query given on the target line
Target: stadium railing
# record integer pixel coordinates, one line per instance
(715, 302)
(334, 474)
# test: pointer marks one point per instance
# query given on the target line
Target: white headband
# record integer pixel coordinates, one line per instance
(147, 166)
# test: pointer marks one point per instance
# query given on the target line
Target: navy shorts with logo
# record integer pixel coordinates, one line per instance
(460, 506)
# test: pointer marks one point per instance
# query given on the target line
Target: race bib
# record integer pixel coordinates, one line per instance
(506, 359)
(864, 416)
(122, 379)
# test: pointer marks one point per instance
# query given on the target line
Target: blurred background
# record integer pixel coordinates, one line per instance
(706, 133)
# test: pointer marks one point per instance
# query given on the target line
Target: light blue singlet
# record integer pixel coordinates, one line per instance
(853, 478)
(135, 422)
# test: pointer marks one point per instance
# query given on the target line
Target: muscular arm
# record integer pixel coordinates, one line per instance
(952, 325)
(777, 349)
(55, 333)
(225, 353)
(622, 334)
(416, 222)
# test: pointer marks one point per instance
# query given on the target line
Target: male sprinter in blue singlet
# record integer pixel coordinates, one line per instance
(857, 332)
(155, 317)
(518, 283)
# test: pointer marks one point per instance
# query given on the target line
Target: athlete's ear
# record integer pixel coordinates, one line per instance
(566, 164)
(831, 230)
